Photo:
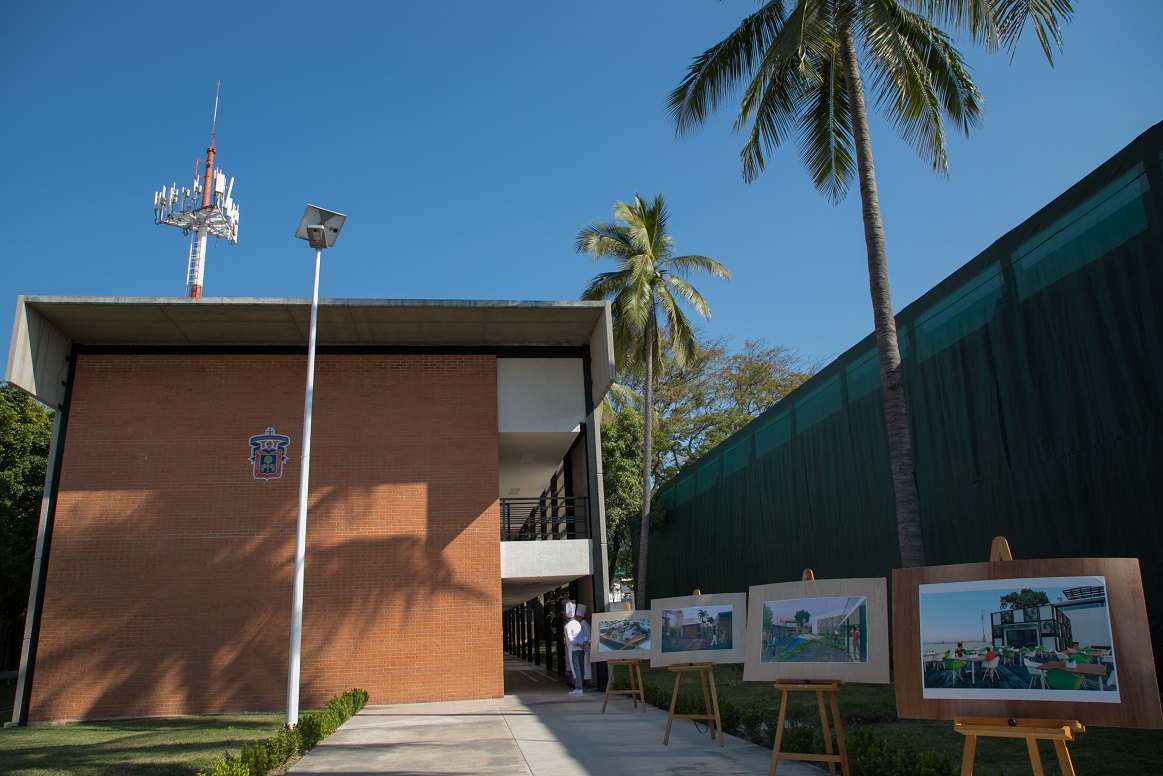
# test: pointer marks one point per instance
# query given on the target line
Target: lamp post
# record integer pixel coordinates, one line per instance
(318, 227)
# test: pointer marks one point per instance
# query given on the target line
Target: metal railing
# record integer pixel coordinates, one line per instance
(539, 519)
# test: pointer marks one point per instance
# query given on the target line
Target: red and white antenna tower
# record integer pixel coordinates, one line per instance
(204, 209)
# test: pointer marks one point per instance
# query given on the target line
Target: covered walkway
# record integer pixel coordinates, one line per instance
(537, 729)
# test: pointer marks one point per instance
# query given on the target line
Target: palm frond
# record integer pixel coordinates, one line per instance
(826, 133)
(975, 17)
(774, 98)
(688, 293)
(604, 286)
(601, 239)
(1044, 15)
(685, 265)
(679, 334)
(899, 42)
(784, 82)
(715, 74)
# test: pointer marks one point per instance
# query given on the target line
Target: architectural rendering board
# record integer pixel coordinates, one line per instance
(819, 629)
(1060, 638)
(1044, 637)
(698, 629)
(620, 636)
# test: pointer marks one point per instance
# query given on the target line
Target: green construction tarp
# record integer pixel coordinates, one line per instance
(1034, 381)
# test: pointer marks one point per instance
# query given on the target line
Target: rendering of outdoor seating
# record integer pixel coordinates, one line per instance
(1037, 635)
(1027, 668)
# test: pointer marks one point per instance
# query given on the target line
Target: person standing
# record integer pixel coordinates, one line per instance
(587, 677)
(573, 636)
(567, 612)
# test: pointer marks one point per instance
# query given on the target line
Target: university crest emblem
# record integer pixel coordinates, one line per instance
(268, 452)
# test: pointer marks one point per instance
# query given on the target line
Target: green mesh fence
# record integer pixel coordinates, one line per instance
(1034, 377)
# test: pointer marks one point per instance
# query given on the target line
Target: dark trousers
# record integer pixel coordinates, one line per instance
(578, 661)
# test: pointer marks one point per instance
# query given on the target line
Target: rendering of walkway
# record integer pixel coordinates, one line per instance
(537, 729)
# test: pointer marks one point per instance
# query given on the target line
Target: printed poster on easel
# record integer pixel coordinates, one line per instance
(832, 629)
(621, 635)
(1024, 639)
(1056, 638)
(698, 629)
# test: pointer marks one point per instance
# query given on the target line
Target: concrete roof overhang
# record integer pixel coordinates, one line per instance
(46, 328)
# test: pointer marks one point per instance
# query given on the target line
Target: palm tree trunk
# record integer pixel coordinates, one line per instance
(896, 420)
(640, 600)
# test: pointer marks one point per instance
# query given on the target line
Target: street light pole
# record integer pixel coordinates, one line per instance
(301, 523)
(319, 228)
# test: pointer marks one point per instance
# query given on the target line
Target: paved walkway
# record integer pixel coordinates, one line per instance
(537, 729)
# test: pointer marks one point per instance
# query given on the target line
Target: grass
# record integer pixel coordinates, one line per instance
(179, 746)
(873, 707)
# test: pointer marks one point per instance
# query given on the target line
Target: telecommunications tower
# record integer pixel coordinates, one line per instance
(203, 209)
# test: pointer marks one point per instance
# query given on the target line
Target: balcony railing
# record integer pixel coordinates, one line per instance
(538, 519)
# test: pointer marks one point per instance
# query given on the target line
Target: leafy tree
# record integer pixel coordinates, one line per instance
(25, 432)
(799, 65)
(1026, 599)
(644, 293)
(697, 406)
(803, 617)
(715, 393)
(622, 474)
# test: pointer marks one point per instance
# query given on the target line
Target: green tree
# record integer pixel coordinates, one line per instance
(622, 476)
(803, 617)
(25, 432)
(696, 407)
(1026, 599)
(644, 293)
(799, 65)
(714, 394)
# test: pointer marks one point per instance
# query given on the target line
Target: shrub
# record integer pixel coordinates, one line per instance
(870, 756)
(313, 726)
(228, 765)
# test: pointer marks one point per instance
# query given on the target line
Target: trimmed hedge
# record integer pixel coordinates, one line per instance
(264, 756)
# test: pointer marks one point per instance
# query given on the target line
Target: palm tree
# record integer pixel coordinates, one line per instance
(644, 293)
(799, 66)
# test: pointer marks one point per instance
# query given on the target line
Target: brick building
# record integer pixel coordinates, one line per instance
(164, 560)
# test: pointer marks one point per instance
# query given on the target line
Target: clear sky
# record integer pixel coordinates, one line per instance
(468, 142)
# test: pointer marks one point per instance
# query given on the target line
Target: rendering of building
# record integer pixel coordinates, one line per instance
(450, 439)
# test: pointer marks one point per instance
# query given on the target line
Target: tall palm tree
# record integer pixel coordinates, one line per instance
(798, 63)
(644, 293)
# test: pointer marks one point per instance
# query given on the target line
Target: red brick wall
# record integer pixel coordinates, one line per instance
(169, 581)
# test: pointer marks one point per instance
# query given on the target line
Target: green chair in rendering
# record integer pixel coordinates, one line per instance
(955, 666)
(1062, 680)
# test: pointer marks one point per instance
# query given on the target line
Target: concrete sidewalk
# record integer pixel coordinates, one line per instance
(537, 729)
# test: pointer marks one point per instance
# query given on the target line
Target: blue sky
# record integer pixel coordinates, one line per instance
(468, 142)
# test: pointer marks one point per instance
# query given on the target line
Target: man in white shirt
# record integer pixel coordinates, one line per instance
(573, 646)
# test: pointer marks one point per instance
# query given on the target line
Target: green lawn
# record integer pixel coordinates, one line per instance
(179, 746)
(1097, 751)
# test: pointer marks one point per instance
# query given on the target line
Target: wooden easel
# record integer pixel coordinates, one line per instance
(707, 676)
(1033, 730)
(710, 703)
(819, 688)
(634, 665)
